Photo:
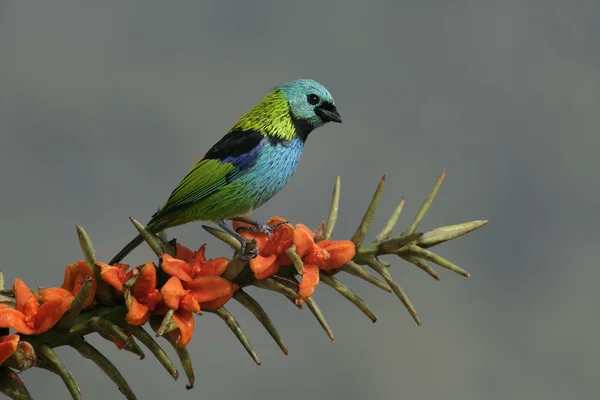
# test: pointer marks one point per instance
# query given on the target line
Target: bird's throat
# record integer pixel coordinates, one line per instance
(302, 127)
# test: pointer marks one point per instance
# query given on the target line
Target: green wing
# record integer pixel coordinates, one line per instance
(207, 176)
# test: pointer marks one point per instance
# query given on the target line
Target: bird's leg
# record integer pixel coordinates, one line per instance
(243, 241)
(258, 226)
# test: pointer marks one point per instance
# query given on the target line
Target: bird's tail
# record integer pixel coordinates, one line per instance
(127, 249)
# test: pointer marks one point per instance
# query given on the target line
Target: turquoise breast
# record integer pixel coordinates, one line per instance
(274, 168)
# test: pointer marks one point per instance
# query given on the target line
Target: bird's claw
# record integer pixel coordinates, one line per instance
(244, 254)
(261, 227)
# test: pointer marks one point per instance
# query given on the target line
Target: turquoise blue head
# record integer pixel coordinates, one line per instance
(310, 102)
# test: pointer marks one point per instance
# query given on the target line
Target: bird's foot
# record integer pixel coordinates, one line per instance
(248, 247)
(257, 226)
(248, 250)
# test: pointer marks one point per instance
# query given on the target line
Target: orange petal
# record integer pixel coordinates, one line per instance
(260, 264)
(54, 293)
(207, 288)
(138, 314)
(152, 299)
(8, 346)
(177, 268)
(26, 302)
(115, 275)
(172, 291)
(271, 270)
(260, 237)
(310, 279)
(279, 241)
(71, 274)
(75, 275)
(198, 261)
(45, 318)
(51, 312)
(284, 259)
(146, 281)
(317, 257)
(22, 294)
(275, 219)
(189, 303)
(183, 253)
(340, 251)
(303, 239)
(11, 318)
(214, 267)
(185, 324)
(218, 302)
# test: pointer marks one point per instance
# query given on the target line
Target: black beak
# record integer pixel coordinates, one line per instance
(328, 113)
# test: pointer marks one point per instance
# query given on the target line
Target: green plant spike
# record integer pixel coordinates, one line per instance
(57, 366)
(445, 233)
(312, 305)
(185, 359)
(167, 325)
(298, 264)
(153, 241)
(348, 293)
(12, 386)
(255, 308)
(416, 251)
(316, 311)
(104, 292)
(275, 286)
(381, 270)
(234, 268)
(70, 317)
(420, 264)
(170, 246)
(91, 353)
(425, 207)
(110, 331)
(334, 210)
(365, 224)
(140, 334)
(232, 323)
(389, 246)
(224, 237)
(354, 269)
(391, 224)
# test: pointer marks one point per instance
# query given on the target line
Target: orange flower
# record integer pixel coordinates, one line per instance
(271, 249)
(200, 280)
(75, 275)
(28, 316)
(176, 297)
(143, 297)
(326, 255)
(340, 252)
(188, 265)
(8, 347)
(115, 275)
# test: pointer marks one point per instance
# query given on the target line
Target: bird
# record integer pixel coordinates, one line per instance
(249, 165)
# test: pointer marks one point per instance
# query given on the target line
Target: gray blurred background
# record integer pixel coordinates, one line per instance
(105, 106)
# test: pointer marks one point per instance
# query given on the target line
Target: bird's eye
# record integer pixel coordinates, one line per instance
(312, 99)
